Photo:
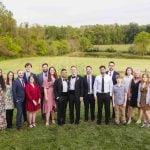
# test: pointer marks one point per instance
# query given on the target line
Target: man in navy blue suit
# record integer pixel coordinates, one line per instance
(18, 89)
(89, 101)
(113, 74)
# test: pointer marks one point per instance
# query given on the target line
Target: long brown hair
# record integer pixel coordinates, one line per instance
(7, 80)
(127, 70)
(2, 81)
(148, 81)
(49, 75)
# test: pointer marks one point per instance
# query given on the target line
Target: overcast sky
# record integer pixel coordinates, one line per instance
(79, 12)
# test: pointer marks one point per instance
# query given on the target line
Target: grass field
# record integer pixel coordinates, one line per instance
(86, 135)
(117, 47)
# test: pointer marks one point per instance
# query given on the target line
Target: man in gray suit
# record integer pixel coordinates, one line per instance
(40, 79)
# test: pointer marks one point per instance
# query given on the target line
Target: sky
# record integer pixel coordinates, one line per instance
(79, 12)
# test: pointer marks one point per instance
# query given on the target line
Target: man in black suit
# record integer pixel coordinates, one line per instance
(89, 101)
(75, 94)
(40, 79)
(18, 92)
(26, 75)
(61, 94)
(113, 74)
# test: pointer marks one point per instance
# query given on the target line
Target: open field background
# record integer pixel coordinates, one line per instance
(85, 136)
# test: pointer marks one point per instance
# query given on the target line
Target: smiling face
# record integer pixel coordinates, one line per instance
(137, 74)
(28, 68)
(10, 76)
(45, 68)
(111, 66)
(145, 77)
(52, 71)
(73, 70)
(20, 73)
(64, 74)
(88, 70)
(31, 80)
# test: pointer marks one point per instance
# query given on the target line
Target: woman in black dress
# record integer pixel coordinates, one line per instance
(133, 95)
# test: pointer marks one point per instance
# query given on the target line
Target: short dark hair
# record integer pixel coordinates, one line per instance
(102, 67)
(88, 67)
(73, 66)
(45, 64)
(111, 62)
(28, 64)
(63, 69)
(31, 76)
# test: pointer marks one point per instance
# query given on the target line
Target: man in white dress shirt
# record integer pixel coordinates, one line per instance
(102, 91)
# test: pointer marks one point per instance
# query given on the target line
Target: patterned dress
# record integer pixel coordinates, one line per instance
(9, 104)
(3, 123)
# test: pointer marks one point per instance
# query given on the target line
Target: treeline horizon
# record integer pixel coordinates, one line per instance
(32, 40)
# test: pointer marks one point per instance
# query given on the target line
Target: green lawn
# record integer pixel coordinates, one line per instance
(86, 135)
(117, 47)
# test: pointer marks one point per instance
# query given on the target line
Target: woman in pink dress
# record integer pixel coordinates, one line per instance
(49, 106)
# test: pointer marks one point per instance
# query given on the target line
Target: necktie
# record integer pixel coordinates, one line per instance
(110, 73)
(102, 84)
(22, 82)
(45, 74)
(88, 81)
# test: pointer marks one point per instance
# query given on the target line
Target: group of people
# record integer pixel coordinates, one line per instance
(46, 91)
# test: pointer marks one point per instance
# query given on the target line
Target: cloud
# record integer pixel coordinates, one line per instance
(79, 12)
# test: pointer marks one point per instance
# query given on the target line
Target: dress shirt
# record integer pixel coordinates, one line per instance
(110, 73)
(28, 75)
(45, 75)
(72, 83)
(65, 86)
(108, 85)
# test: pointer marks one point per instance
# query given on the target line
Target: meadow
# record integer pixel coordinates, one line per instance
(86, 135)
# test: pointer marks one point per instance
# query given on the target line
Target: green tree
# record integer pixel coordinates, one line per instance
(85, 43)
(142, 41)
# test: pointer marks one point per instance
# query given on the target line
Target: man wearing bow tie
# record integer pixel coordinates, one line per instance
(75, 94)
(61, 94)
(40, 79)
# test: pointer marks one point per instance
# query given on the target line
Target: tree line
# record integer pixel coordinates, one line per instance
(25, 40)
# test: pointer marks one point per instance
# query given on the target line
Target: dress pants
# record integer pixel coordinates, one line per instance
(74, 102)
(103, 99)
(62, 106)
(89, 102)
(19, 106)
(9, 117)
(24, 111)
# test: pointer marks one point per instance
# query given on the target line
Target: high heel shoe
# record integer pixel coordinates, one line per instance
(53, 121)
(47, 123)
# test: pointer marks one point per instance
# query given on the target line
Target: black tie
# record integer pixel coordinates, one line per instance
(73, 77)
(88, 81)
(64, 79)
(102, 84)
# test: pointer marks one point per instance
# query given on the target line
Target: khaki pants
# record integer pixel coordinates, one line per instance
(120, 112)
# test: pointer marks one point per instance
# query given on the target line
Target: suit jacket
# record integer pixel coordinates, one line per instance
(58, 87)
(18, 91)
(78, 86)
(40, 81)
(115, 73)
(85, 84)
(25, 78)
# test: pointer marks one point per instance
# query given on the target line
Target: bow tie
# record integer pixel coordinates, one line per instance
(64, 79)
(73, 77)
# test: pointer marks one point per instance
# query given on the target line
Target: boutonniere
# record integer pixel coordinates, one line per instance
(77, 78)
